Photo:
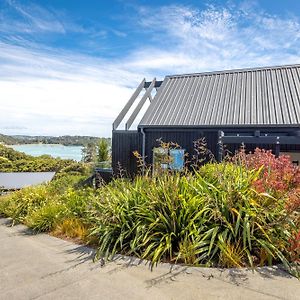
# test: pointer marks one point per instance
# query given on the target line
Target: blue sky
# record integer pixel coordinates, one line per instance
(68, 67)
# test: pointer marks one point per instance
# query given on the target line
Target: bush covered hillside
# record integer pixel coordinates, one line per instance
(229, 214)
(66, 140)
(7, 140)
(14, 161)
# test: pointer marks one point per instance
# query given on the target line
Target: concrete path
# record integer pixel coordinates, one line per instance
(44, 267)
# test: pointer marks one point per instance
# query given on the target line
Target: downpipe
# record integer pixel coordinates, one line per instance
(143, 149)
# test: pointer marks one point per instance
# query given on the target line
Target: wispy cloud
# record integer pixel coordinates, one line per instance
(17, 19)
(30, 19)
(223, 37)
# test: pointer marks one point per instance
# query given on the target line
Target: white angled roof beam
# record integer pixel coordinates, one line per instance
(140, 105)
(150, 98)
(126, 108)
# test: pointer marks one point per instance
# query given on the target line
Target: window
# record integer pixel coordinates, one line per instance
(172, 159)
(177, 159)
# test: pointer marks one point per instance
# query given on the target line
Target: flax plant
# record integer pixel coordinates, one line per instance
(212, 217)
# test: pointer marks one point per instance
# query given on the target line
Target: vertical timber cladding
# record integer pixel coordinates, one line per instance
(183, 137)
(124, 143)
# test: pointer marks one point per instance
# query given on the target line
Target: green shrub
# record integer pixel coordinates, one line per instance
(76, 201)
(5, 163)
(15, 161)
(5, 206)
(46, 217)
(44, 207)
(60, 184)
(24, 202)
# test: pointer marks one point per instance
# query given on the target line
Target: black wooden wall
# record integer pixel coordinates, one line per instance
(124, 143)
(184, 138)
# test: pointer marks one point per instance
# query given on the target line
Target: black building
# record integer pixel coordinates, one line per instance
(259, 107)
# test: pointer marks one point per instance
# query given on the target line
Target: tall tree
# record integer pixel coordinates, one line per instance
(103, 150)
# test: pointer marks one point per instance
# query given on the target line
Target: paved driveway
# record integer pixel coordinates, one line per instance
(44, 267)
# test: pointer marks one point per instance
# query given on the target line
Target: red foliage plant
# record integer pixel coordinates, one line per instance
(293, 203)
(279, 175)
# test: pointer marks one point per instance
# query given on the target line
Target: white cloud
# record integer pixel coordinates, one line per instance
(58, 107)
(46, 91)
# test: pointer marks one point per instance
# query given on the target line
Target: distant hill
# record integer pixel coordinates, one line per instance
(66, 140)
(7, 140)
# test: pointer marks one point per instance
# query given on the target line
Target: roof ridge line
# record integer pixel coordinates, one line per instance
(234, 71)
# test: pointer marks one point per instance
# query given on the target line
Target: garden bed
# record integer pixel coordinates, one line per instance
(239, 213)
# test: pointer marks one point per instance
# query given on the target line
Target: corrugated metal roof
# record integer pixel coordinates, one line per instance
(18, 180)
(260, 96)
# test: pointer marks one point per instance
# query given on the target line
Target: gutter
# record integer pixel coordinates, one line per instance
(143, 148)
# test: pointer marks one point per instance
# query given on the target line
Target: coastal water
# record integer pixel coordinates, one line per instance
(66, 152)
